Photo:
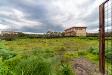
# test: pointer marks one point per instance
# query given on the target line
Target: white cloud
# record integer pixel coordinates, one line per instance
(17, 19)
(65, 13)
(69, 12)
(3, 26)
(73, 13)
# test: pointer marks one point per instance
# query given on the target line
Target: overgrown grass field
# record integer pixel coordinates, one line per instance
(42, 56)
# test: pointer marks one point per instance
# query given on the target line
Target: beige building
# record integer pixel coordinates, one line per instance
(8, 33)
(75, 31)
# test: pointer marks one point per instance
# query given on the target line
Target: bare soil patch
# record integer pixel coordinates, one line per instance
(83, 66)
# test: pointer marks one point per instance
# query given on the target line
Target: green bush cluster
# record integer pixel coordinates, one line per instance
(94, 50)
(108, 53)
(65, 69)
(6, 54)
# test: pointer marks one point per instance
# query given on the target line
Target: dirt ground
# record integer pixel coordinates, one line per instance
(83, 66)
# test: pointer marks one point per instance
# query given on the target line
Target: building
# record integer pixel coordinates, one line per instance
(8, 33)
(75, 31)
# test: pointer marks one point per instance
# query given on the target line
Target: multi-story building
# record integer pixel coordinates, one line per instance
(8, 33)
(75, 31)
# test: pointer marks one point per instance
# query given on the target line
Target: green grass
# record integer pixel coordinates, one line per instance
(44, 56)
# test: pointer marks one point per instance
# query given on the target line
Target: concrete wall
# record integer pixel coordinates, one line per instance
(81, 32)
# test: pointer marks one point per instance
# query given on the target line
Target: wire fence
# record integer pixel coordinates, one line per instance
(108, 37)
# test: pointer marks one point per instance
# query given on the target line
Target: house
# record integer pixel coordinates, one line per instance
(8, 33)
(75, 31)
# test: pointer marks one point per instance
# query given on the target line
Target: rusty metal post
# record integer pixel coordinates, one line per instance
(102, 37)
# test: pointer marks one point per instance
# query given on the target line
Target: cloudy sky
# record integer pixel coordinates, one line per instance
(42, 15)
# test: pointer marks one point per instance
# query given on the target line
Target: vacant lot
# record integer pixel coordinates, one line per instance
(45, 56)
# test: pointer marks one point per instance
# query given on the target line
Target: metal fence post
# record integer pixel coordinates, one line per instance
(102, 37)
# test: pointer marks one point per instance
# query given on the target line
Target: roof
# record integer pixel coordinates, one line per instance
(75, 27)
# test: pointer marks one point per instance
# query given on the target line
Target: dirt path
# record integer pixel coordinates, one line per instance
(84, 67)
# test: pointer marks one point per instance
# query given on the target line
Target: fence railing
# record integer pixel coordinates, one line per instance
(105, 42)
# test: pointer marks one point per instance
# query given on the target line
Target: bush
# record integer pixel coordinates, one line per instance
(6, 54)
(11, 63)
(65, 70)
(9, 37)
(108, 54)
(94, 50)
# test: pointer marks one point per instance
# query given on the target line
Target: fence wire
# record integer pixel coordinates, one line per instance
(108, 37)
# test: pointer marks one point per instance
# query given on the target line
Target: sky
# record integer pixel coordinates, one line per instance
(40, 16)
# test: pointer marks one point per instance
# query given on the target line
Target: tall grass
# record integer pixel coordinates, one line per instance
(42, 56)
(33, 66)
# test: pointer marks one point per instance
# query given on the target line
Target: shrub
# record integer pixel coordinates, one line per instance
(94, 50)
(108, 54)
(8, 37)
(6, 54)
(65, 70)
(12, 62)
